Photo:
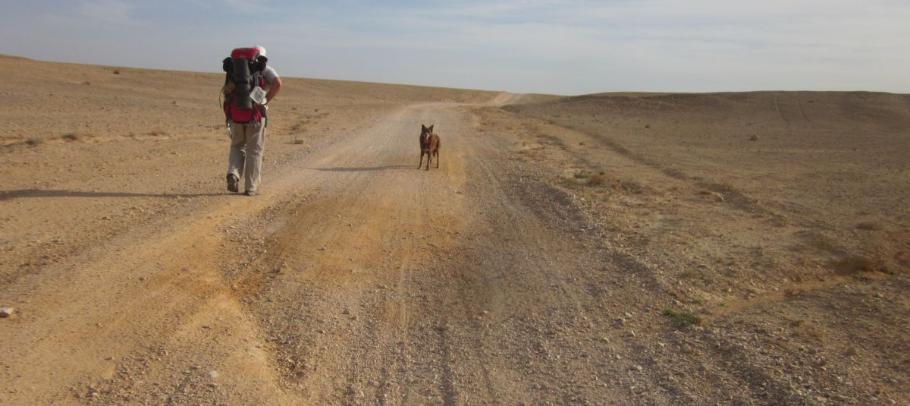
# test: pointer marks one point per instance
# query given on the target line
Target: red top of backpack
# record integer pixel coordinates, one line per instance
(245, 53)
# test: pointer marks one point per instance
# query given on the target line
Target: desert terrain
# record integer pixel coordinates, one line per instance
(730, 248)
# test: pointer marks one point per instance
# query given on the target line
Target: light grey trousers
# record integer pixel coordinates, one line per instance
(245, 158)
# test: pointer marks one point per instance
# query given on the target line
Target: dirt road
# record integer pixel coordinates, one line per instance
(354, 278)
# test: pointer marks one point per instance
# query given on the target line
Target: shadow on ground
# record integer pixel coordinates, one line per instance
(365, 169)
(27, 193)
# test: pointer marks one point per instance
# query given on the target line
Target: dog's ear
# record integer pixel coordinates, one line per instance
(431, 127)
(423, 127)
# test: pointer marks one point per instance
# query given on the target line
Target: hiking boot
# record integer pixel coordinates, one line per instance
(232, 182)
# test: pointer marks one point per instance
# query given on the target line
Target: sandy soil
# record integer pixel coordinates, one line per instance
(608, 249)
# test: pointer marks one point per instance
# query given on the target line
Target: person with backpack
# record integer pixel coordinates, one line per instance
(249, 85)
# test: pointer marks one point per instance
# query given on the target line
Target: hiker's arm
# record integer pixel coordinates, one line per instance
(273, 91)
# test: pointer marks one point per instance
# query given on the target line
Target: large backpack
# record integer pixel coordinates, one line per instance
(243, 72)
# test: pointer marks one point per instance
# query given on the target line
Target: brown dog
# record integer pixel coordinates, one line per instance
(429, 145)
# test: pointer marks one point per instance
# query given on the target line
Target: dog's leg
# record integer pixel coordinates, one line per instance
(429, 158)
(419, 164)
(437, 158)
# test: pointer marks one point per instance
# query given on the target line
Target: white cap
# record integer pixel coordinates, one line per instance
(261, 50)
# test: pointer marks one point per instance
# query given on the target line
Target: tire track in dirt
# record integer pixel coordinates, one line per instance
(375, 221)
(380, 284)
(170, 284)
(458, 285)
(145, 315)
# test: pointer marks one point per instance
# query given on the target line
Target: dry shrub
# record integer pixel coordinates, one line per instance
(597, 179)
(576, 176)
(810, 332)
(682, 319)
(70, 137)
(674, 173)
(688, 274)
(718, 197)
(631, 187)
(33, 141)
(579, 177)
(856, 264)
(867, 226)
(792, 292)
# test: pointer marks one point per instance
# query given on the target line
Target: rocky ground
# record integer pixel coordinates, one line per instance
(606, 249)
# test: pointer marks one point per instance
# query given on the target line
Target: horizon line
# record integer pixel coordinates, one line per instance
(606, 92)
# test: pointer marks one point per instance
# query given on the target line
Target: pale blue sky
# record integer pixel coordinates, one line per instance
(564, 47)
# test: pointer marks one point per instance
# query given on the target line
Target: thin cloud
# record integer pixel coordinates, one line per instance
(107, 11)
(252, 7)
(567, 46)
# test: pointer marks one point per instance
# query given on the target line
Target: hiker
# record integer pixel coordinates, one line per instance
(249, 85)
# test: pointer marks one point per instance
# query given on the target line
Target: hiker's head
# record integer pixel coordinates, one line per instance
(258, 64)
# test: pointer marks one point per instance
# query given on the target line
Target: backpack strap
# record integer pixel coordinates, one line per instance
(259, 80)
